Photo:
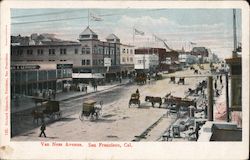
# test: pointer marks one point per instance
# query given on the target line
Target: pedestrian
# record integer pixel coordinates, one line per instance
(197, 132)
(54, 94)
(95, 87)
(43, 128)
(221, 81)
(215, 84)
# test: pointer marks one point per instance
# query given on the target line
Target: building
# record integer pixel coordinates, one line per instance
(201, 52)
(146, 63)
(87, 56)
(35, 78)
(90, 59)
(127, 54)
(166, 59)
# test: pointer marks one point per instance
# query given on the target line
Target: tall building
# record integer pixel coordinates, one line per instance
(89, 62)
(85, 57)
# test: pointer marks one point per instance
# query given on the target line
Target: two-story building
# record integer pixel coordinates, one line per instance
(166, 60)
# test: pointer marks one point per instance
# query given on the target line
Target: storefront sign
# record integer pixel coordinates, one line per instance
(25, 67)
(64, 66)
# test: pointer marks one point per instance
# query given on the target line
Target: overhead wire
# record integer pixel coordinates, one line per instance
(44, 14)
(63, 19)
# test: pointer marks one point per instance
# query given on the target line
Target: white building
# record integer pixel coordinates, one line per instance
(146, 62)
(127, 54)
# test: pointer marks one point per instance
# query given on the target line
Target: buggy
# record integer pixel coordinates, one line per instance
(90, 110)
(134, 99)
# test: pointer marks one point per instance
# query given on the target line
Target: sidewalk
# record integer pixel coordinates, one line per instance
(26, 102)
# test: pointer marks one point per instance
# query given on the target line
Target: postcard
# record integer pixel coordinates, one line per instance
(124, 80)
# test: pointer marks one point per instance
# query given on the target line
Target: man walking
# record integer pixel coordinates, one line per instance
(43, 128)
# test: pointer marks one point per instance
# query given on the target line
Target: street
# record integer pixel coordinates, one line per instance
(118, 122)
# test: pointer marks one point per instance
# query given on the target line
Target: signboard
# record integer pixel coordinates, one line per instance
(107, 62)
(25, 67)
(64, 66)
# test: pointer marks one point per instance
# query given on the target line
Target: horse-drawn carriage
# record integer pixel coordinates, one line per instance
(90, 110)
(141, 79)
(174, 104)
(134, 99)
(154, 100)
(48, 109)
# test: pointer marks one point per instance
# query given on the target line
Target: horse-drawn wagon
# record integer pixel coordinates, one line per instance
(174, 104)
(134, 99)
(48, 109)
(90, 110)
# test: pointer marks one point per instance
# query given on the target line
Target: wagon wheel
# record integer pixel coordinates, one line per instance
(81, 116)
(59, 115)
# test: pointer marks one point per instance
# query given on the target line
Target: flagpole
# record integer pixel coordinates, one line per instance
(88, 17)
(133, 35)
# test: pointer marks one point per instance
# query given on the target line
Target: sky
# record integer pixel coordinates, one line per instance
(211, 28)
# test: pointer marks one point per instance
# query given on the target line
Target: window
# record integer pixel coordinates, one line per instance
(83, 50)
(39, 51)
(124, 50)
(19, 52)
(87, 50)
(29, 52)
(76, 51)
(127, 50)
(88, 62)
(131, 59)
(83, 62)
(123, 59)
(63, 51)
(51, 51)
(85, 36)
(131, 51)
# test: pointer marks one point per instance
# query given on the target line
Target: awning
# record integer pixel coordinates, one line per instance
(176, 62)
(97, 75)
(87, 75)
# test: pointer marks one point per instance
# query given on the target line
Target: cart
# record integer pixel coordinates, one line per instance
(90, 110)
(135, 99)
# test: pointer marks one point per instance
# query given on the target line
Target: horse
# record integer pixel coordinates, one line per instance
(154, 100)
(181, 80)
(172, 79)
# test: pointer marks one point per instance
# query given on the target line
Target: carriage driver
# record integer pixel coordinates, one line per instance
(137, 91)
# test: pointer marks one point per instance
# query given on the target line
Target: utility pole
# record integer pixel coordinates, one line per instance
(227, 99)
(234, 34)
(210, 99)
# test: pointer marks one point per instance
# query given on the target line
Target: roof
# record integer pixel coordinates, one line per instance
(88, 31)
(50, 43)
(112, 36)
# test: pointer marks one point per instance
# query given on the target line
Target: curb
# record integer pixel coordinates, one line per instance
(83, 95)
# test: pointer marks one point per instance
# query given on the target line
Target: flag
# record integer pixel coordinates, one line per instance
(192, 43)
(137, 32)
(157, 38)
(95, 17)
